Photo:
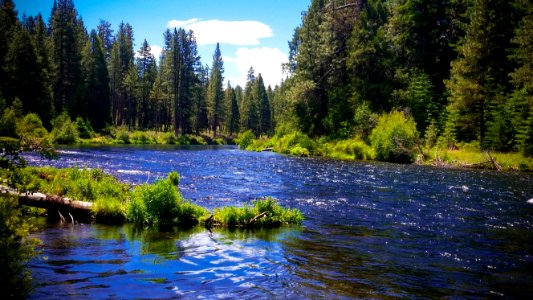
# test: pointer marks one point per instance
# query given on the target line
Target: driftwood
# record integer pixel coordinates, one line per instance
(210, 222)
(75, 209)
(259, 216)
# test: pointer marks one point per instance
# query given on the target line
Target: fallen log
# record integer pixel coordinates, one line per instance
(259, 216)
(78, 210)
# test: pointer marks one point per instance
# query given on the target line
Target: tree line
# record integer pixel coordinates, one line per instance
(58, 67)
(460, 68)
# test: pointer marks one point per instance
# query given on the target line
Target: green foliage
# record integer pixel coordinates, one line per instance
(8, 123)
(394, 137)
(266, 212)
(64, 130)
(174, 178)
(431, 135)
(161, 204)
(297, 140)
(15, 249)
(299, 151)
(109, 210)
(245, 139)
(84, 128)
(527, 142)
(31, 126)
(350, 149)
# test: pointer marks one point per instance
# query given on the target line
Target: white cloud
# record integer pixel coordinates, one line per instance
(155, 50)
(239, 33)
(264, 60)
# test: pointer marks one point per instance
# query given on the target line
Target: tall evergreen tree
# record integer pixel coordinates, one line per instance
(106, 35)
(201, 121)
(8, 23)
(479, 75)
(96, 77)
(67, 34)
(215, 94)
(265, 120)
(122, 64)
(233, 116)
(147, 73)
(250, 118)
(521, 102)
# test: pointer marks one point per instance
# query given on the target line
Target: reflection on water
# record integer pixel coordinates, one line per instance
(372, 230)
(129, 262)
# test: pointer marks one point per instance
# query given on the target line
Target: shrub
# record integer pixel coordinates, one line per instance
(267, 211)
(353, 148)
(394, 137)
(294, 139)
(84, 127)
(174, 177)
(15, 250)
(8, 123)
(299, 151)
(31, 126)
(168, 138)
(109, 210)
(245, 139)
(64, 130)
(162, 204)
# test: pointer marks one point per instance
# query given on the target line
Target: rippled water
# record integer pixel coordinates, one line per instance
(372, 230)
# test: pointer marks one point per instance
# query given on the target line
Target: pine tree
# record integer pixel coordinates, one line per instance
(42, 45)
(67, 37)
(249, 103)
(521, 100)
(215, 94)
(147, 73)
(106, 36)
(122, 62)
(265, 121)
(8, 23)
(96, 77)
(233, 117)
(201, 121)
(480, 73)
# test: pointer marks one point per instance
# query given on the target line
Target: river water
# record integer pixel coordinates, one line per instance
(372, 230)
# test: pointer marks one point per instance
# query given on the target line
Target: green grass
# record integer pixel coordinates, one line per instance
(261, 213)
(159, 204)
(471, 157)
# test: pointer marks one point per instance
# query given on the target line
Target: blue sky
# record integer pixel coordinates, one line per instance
(250, 32)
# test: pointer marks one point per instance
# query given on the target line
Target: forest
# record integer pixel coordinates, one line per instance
(460, 72)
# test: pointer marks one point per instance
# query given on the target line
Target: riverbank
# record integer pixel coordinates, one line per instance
(122, 136)
(461, 156)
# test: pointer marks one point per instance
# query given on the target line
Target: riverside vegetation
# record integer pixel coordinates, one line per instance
(458, 70)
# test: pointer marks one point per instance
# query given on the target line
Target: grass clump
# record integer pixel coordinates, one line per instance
(350, 149)
(161, 204)
(261, 213)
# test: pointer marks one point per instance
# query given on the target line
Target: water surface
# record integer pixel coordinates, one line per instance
(372, 230)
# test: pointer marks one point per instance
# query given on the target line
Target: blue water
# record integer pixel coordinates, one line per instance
(372, 230)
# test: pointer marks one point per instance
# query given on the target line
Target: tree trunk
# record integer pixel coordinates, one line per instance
(73, 210)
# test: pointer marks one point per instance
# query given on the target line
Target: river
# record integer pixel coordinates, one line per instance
(372, 230)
